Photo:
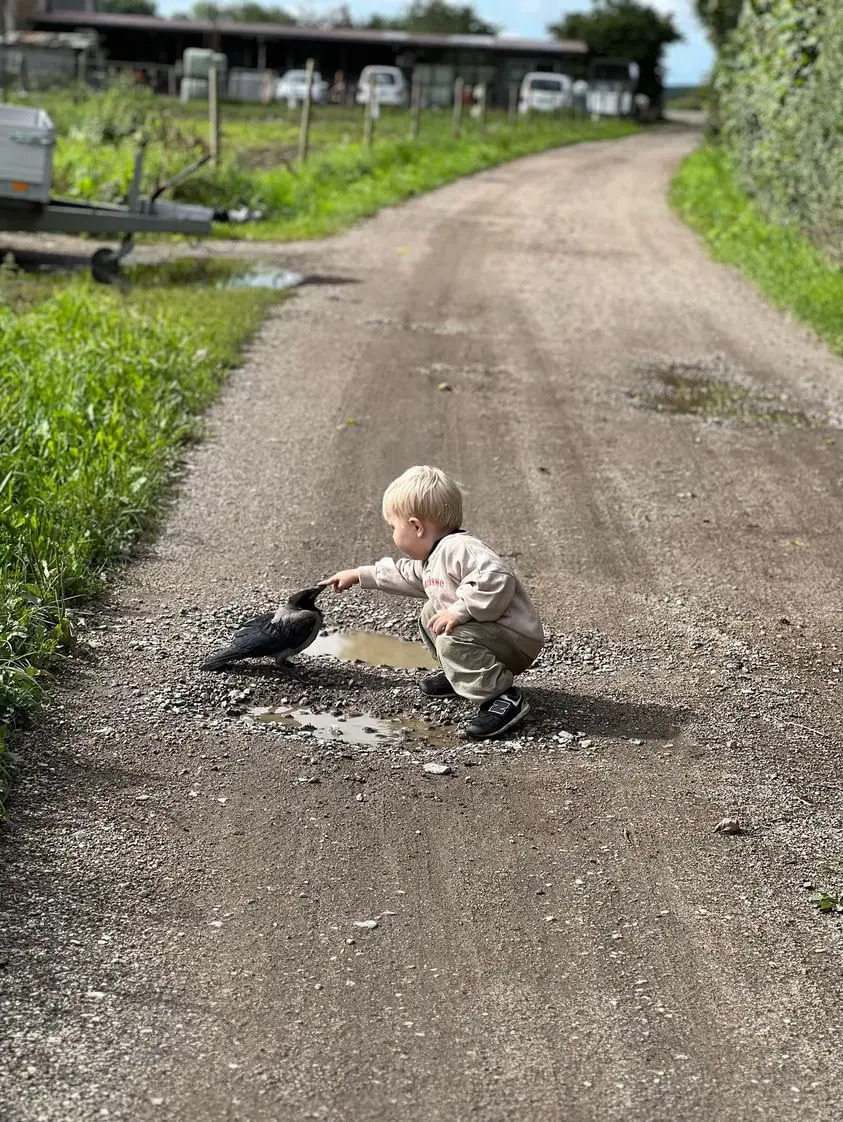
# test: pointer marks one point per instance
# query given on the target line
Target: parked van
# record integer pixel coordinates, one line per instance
(390, 82)
(544, 91)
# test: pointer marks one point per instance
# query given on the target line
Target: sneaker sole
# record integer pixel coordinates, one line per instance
(519, 716)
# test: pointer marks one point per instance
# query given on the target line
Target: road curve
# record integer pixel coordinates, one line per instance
(562, 935)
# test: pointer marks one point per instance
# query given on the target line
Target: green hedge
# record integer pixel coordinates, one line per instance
(779, 86)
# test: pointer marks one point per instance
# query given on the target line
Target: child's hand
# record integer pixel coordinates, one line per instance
(343, 580)
(442, 621)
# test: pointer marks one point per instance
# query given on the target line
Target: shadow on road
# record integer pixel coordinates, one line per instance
(600, 716)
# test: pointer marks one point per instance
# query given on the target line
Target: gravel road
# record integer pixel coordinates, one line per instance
(559, 933)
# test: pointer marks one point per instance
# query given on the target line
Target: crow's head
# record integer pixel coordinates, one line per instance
(306, 598)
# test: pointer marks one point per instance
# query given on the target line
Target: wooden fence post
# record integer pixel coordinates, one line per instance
(415, 107)
(370, 113)
(481, 107)
(304, 131)
(214, 114)
(512, 114)
(456, 124)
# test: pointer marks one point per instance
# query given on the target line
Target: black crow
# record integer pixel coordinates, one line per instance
(279, 635)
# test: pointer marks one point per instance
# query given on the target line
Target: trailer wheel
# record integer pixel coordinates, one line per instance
(105, 266)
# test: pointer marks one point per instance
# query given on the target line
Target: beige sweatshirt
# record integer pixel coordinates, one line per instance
(465, 577)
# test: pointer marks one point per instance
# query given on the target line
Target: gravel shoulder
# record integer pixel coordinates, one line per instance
(561, 933)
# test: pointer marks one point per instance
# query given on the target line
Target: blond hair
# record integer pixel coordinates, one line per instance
(425, 492)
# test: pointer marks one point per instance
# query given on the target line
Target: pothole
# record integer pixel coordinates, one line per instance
(358, 729)
(690, 389)
(373, 648)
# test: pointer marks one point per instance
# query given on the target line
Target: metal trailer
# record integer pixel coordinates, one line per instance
(26, 143)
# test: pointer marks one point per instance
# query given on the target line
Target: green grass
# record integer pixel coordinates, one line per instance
(342, 181)
(98, 391)
(787, 268)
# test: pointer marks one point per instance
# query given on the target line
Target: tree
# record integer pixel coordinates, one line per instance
(435, 17)
(719, 18)
(129, 7)
(339, 17)
(247, 12)
(624, 29)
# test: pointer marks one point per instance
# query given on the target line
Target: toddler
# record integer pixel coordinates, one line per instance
(478, 622)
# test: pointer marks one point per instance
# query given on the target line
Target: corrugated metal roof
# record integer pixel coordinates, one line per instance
(497, 43)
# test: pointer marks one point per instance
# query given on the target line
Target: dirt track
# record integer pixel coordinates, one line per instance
(562, 934)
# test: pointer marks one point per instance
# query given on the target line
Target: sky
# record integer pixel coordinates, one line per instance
(685, 63)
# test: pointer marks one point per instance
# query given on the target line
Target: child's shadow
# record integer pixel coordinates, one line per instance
(555, 710)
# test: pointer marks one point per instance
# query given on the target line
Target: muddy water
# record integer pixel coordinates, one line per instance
(364, 729)
(373, 648)
(359, 729)
(707, 397)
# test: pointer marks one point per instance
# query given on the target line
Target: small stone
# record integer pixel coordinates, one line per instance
(445, 387)
(728, 826)
(437, 769)
(366, 924)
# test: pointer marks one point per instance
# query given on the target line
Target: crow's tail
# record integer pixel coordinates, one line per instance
(220, 660)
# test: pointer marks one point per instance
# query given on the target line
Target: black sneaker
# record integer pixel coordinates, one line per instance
(497, 715)
(437, 685)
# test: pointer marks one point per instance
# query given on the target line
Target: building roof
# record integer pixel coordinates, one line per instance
(498, 43)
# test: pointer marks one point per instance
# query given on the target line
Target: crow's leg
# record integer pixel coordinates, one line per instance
(289, 669)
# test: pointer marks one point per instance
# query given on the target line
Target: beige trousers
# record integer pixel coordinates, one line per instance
(480, 660)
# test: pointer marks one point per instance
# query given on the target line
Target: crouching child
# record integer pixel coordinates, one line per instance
(478, 620)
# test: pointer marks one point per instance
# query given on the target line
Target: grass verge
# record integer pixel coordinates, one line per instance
(788, 269)
(98, 392)
(343, 181)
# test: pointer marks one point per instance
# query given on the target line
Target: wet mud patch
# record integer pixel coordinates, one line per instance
(355, 728)
(713, 390)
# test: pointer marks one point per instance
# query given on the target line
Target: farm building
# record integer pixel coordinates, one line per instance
(156, 47)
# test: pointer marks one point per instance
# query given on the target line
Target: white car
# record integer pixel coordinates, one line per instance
(390, 82)
(292, 85)
(544, 91)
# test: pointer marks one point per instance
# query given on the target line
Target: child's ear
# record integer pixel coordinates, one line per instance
(417, 527)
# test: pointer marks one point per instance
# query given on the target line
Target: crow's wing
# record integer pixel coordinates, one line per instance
(265, 635)
(254, 638)
(298, 627)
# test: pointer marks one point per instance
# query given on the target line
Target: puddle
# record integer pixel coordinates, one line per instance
(359, 729)
(209, 272)
(212, 272)
(264, 277)
(373, 648)
(693, 395)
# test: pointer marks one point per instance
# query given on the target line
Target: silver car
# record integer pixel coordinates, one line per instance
(292, 86)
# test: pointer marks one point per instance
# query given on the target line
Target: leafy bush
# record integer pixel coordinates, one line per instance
(780, 91)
